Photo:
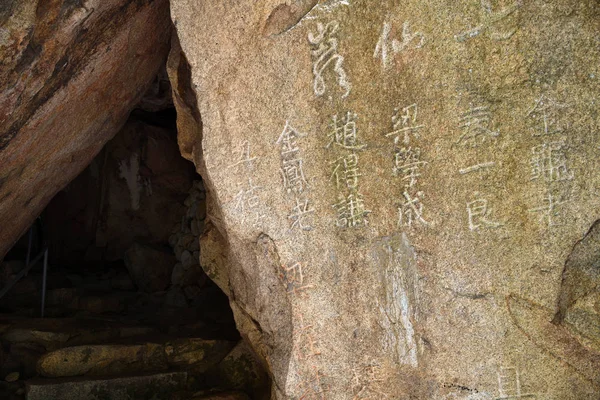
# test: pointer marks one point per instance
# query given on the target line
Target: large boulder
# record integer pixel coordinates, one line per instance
(70, 74)
(398, 190)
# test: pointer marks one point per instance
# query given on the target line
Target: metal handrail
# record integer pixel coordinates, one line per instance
(28, 266)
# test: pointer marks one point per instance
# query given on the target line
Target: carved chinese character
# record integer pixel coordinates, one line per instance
(293, 278)
(496, 24)
(351, 211)
(325, 53)
(247, 203)
(345, 171)
(549, 162)
(366, 381)
(287, 140)
(306, 346)
(292, 174)
(301, 215)
(404, 122)
(312, 387)
(244, 155)
(411, 210)
(343, 132)
(475, 126)
(545, 113)
(409, 41)
(407, 163)
(509, 385)
(548, 211)
(479, 215)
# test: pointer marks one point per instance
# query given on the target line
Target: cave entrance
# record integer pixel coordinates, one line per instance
(129, 312)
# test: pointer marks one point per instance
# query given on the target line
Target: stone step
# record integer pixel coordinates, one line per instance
(142, 387)
(158, 354)
(55, 333)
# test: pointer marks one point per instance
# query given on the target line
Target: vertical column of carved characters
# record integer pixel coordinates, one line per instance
(345, 145)
(548, 160)
(246, 203)
(408, 165)
(325, 56)
(476, 131)
(294, 180)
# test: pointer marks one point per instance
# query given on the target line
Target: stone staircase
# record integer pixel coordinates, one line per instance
(103, 340)
(79, 358)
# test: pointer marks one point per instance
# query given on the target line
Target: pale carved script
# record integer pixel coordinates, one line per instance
(294, 180)
(549, 162)
(546, 114)
(496, 23)
(408, 164)
(325, 56)
(475, 124)
(549, 209)
(243, 155)
(479, 214)
(343, 138)
(247, 203)
(387, 46)
(509, 385)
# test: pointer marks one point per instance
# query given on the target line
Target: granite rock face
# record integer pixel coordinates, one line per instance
(399, 190)
(71, 71)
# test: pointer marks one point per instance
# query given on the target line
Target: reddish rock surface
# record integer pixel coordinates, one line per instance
(70, 74)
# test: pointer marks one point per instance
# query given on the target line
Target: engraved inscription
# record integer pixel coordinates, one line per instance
(351, 211)
(497, 24)
(324, 49)
(545, 114)
(301, 216)
(548, 160)
(509, 385)
(479, 215)
(549, 163)
(404, 123)
(476, 167)
(247, 203)
(367, 382)
(293, 178)
(475, 126)
(312, 387)
(343, 132)
(306, 342)
(408, 164)
(548, 211)
(386, 45)
(244, 157)
(411, 210)
(343, 139)
(345, 171)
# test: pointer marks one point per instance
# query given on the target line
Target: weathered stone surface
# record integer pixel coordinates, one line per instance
(399, 188)
(241, 370)
(213, 257)
(158, 387)
(103, 360)
(70, 75)
(149, 267)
